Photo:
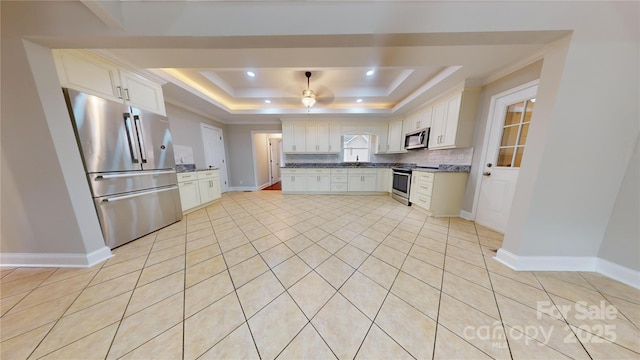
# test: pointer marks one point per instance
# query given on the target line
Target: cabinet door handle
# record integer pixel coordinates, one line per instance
(126, 91)
(119, 91)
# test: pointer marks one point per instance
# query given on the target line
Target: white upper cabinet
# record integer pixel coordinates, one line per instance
(86, 72)
(317, 138)
(453, 120)
(382, 140)
(293, 138)
(395, 137)
(335, 138)
(310, 138)
(418, 120)
(142, 93)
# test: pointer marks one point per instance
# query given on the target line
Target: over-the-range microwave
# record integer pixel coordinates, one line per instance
(418, 139)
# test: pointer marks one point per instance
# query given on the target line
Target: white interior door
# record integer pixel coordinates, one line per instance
(214, 153)
(509, 122)
(274, 158)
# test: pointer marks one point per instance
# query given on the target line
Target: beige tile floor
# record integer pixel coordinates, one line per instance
(262, 275)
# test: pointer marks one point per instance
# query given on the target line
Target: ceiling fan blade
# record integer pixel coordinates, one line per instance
(325, 95)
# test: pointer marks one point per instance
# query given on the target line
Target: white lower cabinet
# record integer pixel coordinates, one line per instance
(208, 185)
(384, 180)
(339, 180)
(440, 194)
(198, 188)
(319, 180)
(335, 180)
(362, 179)
(189, 192)
(294, 180)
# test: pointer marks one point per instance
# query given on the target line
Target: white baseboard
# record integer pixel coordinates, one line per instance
(466, 215)
(243, 188)
(618, 272)
(54, 260)
(569, 263)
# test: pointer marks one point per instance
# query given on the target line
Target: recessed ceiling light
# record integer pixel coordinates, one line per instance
(267, 101)
(533, 100)
(359, 100)
(251, 73)
(370, 72)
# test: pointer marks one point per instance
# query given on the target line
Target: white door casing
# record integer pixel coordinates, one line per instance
(497, 183)
(213, 142)
(275, 149)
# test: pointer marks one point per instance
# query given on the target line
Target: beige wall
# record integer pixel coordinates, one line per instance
(621, 244)
(186, 130)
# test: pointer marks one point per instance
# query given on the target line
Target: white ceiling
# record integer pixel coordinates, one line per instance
(208, 74)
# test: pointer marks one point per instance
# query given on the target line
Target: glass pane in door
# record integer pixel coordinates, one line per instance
(505, 155)
(518, 159)
(514, 113)
(514, 133)
(509, 136)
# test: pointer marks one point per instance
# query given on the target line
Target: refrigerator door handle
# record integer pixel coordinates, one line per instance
(143, 148)
(124, 197)
(113, 176)
(132, 148)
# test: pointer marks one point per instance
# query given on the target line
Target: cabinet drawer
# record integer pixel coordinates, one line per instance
(186, 176)
(292, 171)
(355, 171)
(319, 171)
(425, 176)
(338, 187)
(339, 171)
(338, 178)
(424, 201)
(207, 174)
(424, 188)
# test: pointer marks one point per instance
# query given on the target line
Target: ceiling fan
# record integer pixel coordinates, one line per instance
(309, 97)
(317, 96)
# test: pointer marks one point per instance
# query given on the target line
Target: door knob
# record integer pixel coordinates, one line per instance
(489, 165)
(486, 173)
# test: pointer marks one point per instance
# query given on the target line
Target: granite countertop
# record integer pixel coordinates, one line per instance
(182, 168)
(346, 165)
(413, 166)
(444, 168)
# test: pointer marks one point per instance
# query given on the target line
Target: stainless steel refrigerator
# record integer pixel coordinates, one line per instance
(128, 158)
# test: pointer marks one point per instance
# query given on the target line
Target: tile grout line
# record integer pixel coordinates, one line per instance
(373, 321)
(563, 318)
(129, 301)
(495, 299)
(235, 291)
(60, 318)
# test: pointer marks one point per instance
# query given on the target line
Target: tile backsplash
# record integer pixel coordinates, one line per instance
(419, 157)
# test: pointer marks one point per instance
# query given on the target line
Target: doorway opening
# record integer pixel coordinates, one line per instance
(267, 160)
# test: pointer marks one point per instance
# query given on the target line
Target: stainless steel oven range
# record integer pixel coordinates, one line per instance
(401, 185)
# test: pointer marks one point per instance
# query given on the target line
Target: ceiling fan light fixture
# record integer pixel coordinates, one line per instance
(308, 96)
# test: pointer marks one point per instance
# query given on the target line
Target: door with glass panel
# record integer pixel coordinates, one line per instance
(509, 123)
